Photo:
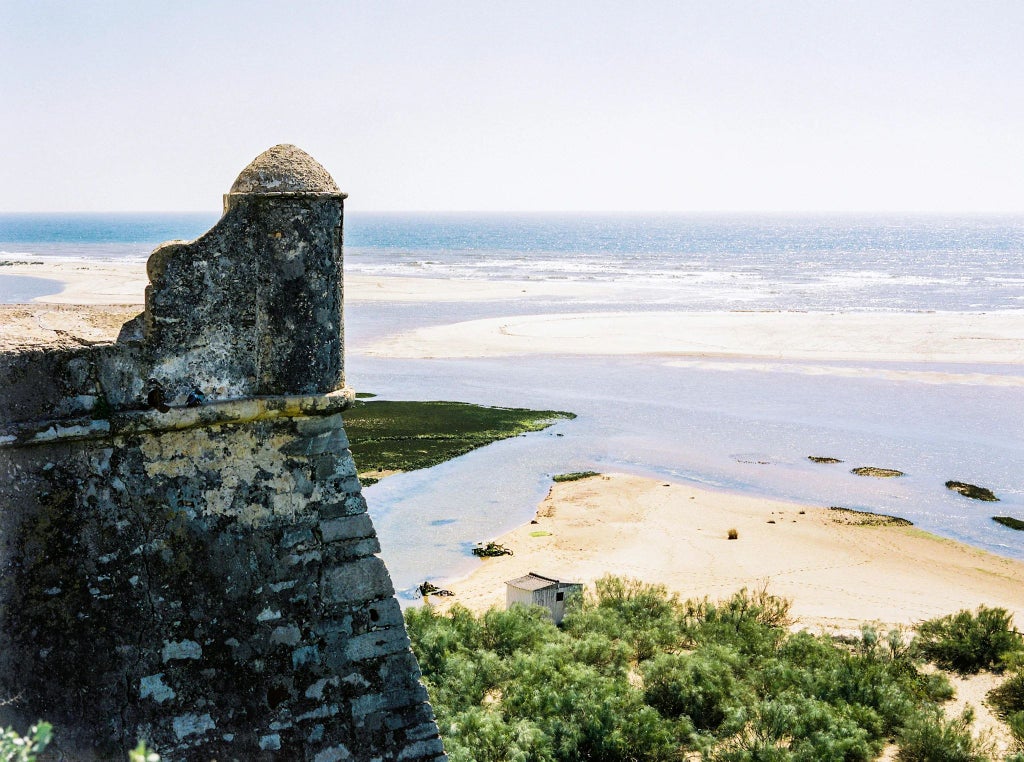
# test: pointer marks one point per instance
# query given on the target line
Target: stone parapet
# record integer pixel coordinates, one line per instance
(23, 433)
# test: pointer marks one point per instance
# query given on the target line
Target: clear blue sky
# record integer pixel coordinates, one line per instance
(717, 105)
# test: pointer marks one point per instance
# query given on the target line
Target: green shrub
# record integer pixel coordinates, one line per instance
(493, 739)
(629, 611)
(966, 642)
(875, 678)
(929, 737)
(438, 637)
(701, 686)
(1016, 723)
(798, 729)
(752, 622)
(18, 748)
(141, 753)
(758, 606)
(1009, 697)
(634, 674)
(521, 627)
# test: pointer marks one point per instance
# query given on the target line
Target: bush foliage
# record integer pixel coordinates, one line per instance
(18, 748)
(636, 674)
(930, 737)
(968, 643)
(27, 748)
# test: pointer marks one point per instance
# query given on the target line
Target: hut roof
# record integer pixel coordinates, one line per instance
(534, 581)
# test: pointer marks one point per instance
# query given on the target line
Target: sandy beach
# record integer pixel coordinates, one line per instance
(838, 568)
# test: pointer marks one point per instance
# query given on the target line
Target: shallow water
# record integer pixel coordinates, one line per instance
(16, 289)
(727, 428)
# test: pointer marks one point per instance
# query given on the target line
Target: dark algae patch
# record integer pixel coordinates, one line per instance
(429, 588)
(878, 473)
(866, 518)
(1009, 521)
(972, 491)
(389, 436)
(822, 459)
(574, 476)
(491, 550)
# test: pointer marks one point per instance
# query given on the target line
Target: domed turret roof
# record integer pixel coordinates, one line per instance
(284, 169)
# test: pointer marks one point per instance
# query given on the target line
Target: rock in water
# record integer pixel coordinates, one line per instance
(878, 473)
(972, 491)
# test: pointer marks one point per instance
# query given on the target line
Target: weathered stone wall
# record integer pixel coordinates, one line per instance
(205, 577)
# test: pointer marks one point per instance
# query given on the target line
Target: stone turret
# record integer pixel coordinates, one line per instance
(268, 278)
(186, 555)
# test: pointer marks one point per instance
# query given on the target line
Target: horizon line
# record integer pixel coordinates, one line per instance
(680, 212)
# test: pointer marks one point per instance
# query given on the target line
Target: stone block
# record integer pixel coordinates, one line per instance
(366, 704)
(365, 579)
(423, 731)
(296, 536)
(377, 643)
(192, 724)
(346, 528)
(420, 750)
(331, 440)
(314, 426)
(349, 505)
(343, 552)
(337, 753)
(183, 649)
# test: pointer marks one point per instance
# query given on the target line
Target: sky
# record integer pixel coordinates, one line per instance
(520, 106)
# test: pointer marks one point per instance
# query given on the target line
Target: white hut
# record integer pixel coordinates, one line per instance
(537, 590)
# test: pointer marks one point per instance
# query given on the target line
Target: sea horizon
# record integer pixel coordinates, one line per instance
(701, 261)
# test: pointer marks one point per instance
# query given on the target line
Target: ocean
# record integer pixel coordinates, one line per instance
(699, 262)
(726, 424)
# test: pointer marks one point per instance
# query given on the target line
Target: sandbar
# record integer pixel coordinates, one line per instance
(981, 338)
(839, 568)
(936, 337)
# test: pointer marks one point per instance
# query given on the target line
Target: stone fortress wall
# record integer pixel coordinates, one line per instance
(185, 553)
